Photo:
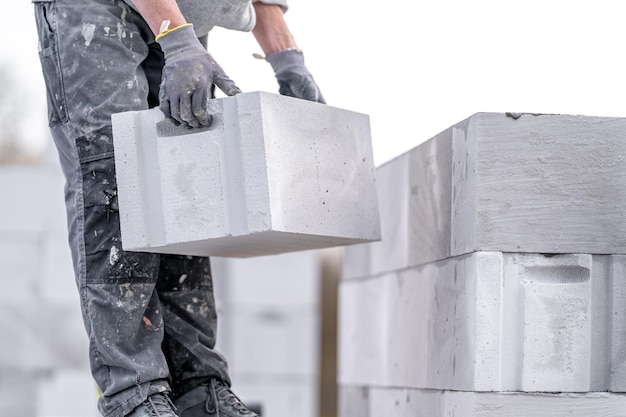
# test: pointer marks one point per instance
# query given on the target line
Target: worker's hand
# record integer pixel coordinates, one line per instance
(294, 79)
(188, 76)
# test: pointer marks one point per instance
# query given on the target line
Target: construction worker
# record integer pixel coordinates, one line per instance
(150, 319)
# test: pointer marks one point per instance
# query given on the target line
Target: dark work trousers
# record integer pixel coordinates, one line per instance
(150, 318)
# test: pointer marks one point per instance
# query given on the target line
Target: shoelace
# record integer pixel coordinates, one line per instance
(161, 403)
(220, 391)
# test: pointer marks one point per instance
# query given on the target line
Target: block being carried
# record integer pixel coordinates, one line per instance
(272, 174)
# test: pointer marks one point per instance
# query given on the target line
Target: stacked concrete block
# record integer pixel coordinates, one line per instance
(501, 269)
(272, 174)
(427, 403)
(43, 336)
(269, 322)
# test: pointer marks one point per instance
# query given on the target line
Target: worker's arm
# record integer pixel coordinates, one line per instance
(189, 71)
(155, 12)
(279, 46)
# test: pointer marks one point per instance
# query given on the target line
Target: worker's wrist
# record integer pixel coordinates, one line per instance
(165, 29)
(286, 59)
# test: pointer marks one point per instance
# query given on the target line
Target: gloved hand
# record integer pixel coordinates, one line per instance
(188, 76)
(294, 79)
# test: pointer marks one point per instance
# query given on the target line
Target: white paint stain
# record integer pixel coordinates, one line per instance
(121, 33)
(114, 255)
(87, 31)
(182, 278)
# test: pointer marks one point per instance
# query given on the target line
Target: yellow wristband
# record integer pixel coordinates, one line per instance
(165, 30)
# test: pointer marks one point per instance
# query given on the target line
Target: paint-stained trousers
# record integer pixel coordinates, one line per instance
(150, 318)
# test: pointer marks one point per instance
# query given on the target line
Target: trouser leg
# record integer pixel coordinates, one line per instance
(99, 58)
(185, 289)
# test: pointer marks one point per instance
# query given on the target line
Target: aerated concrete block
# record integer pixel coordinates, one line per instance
(494, 182)
(398, 402)
(288, 279)
(282, 341)
(68, 393)
(36, 339)
(272, 174)
(28, 211)
(390, 253)
(488, 322)
(285, 397)
(21, 276)
(541, 184)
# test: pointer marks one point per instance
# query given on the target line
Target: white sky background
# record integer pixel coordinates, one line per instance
(415, 67)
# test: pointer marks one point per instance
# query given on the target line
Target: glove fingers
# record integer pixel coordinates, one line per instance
(320, 97)
(285, 90)
(199, 108)
(185, 112)
(175, 110)
(225, 84)
(164, 105)
(300, 86)
(309, 91)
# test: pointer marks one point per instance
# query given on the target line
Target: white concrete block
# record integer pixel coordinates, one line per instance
(540, 184)
(289, 279)
(18, 390)
(273, 174)
(392, 251)
(35, 339)
(279, 397)
(547, 324)
(58, 283)
(67, 393)
(617, 317)
(497, 183)
(488, 322)
(362, 334)
(20, 274)
(400, 402)
(418, 328)
(34, 200)
(430, 200)
(272, 341)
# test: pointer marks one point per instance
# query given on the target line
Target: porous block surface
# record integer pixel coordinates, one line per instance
(488, 321)
(272, 174)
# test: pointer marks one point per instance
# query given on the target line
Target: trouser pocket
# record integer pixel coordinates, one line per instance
(106, 261)
(46, 19)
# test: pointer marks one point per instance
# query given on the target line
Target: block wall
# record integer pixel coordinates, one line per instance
(498, 286)
(269, 329)
(44, 368)
(269, 318)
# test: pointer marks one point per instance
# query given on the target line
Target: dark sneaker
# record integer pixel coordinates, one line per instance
(157, 405)
(212, 399)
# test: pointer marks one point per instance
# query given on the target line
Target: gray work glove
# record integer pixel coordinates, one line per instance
(294, 79)
(188, 76)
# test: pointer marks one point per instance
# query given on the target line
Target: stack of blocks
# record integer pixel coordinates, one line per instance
(269, 329)
(499, 286)
(44, 367)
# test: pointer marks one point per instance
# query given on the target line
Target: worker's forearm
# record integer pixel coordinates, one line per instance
(155, 12)
(271, 31)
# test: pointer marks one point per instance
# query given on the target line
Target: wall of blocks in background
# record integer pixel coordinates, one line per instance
(44, 368)
(498, 286)
(269, 329)
(269, 326)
